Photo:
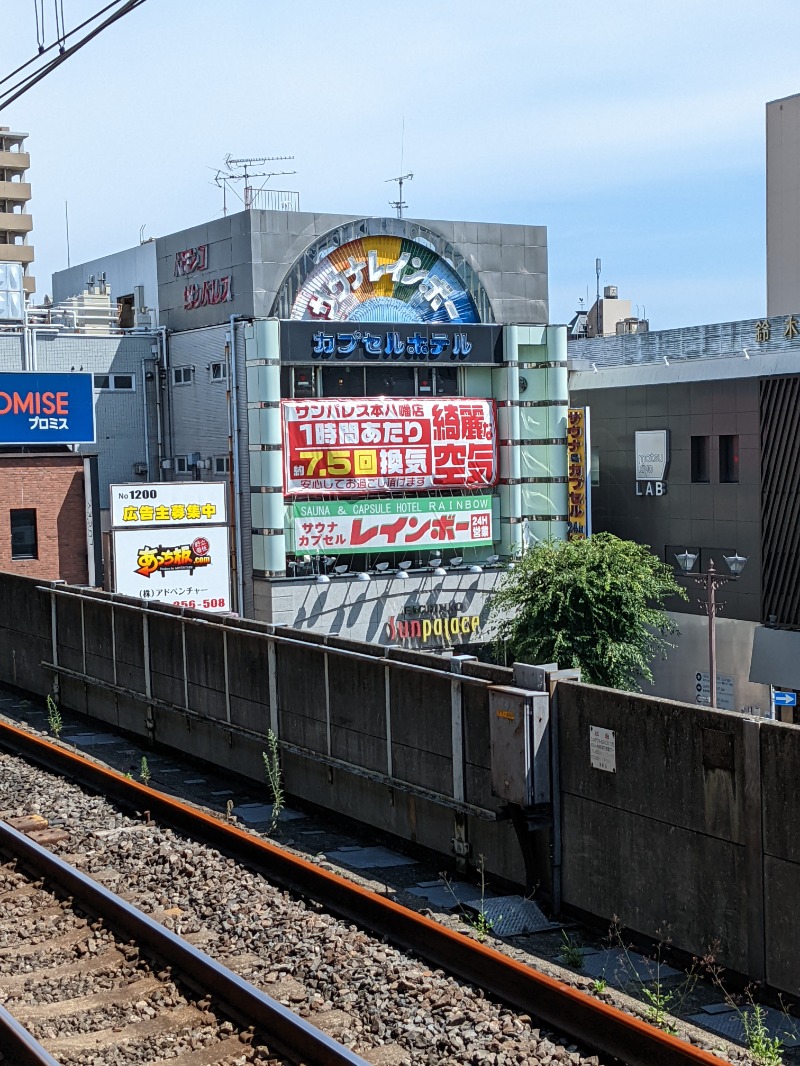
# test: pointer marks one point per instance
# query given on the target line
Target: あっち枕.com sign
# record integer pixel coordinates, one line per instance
(46, 409)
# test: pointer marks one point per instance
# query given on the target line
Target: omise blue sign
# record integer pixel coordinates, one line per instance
(46, 409)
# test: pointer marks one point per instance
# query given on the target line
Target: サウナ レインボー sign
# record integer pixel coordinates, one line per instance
(379, 444)
(393, 525)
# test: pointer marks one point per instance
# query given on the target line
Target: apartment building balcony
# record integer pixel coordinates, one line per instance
(20, 161)
(16, 253)
(17, 191)
(15, 222)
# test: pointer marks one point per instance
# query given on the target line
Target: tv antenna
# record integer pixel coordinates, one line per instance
(241, 170)
(399, 203)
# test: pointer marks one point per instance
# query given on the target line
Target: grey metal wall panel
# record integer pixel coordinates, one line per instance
(258, 249)
(199, 408)
(713, 517)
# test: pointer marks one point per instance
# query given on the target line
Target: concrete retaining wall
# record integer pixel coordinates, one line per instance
(691, 838)
(361, 732)
(694, 837)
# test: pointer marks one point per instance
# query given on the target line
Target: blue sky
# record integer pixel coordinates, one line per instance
(634, 132)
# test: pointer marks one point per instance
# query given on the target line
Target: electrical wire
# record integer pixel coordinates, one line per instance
(23, 85)
(39, 34)
(43, 50)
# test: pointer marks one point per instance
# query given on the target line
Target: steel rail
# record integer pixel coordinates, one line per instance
(285, 1031)
(15, 1040)
(590, 1022)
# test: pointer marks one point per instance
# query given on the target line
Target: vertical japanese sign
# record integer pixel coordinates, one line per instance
(578, 474)
(361, 446)
(171, 544)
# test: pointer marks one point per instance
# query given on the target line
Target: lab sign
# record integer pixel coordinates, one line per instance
(46, 408)
(652, 461)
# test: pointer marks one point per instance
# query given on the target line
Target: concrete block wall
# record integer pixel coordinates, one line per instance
(693, 838)
(360, 733)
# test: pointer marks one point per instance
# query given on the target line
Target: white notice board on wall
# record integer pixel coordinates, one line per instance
(603, 749)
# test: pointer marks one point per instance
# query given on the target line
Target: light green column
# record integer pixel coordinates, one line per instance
(533, 434)
(266, 457)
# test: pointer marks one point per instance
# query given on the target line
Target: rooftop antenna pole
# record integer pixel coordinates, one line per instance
(246, 176)
(598, 266)
(66, 219)
(399, 203)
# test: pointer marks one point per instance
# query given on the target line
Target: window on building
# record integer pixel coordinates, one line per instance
(446, 381)
(114, 383)
(391, 381)
(594, 466)
(222, 465)
(701, 460)
(438, 381)
(182, 375)
(303, 381)
(181, 464)
(342, 381)
(219, 372)
(24, 543)
(286, 383)
(729, 459)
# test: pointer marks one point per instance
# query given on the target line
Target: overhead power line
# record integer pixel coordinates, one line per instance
(43, 66)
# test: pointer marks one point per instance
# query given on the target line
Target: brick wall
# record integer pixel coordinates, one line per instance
(53, 486)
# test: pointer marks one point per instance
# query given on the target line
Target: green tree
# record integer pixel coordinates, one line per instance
(597, 604)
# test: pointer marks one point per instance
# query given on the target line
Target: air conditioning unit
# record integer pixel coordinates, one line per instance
(166, 464)
(611, 292)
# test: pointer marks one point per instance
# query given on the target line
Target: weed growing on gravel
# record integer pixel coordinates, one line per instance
(571, 953)
(662, 1001)
(144, 771)
(272, 766)
(480, 922)
(765, 1049)
(54, 717)
(599, 985)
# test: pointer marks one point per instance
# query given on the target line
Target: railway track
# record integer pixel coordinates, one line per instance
(464, 1003)
(88, 977)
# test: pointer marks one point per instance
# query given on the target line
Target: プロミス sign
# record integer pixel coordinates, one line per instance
(46, 408)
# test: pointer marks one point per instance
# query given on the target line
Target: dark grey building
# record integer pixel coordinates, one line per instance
(724, 400)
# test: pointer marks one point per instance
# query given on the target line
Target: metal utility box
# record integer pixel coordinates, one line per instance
(520, 745)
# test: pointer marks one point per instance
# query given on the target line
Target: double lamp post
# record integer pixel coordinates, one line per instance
(712, 579)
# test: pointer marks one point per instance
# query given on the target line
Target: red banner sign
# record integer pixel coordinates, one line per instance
(364, 445)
